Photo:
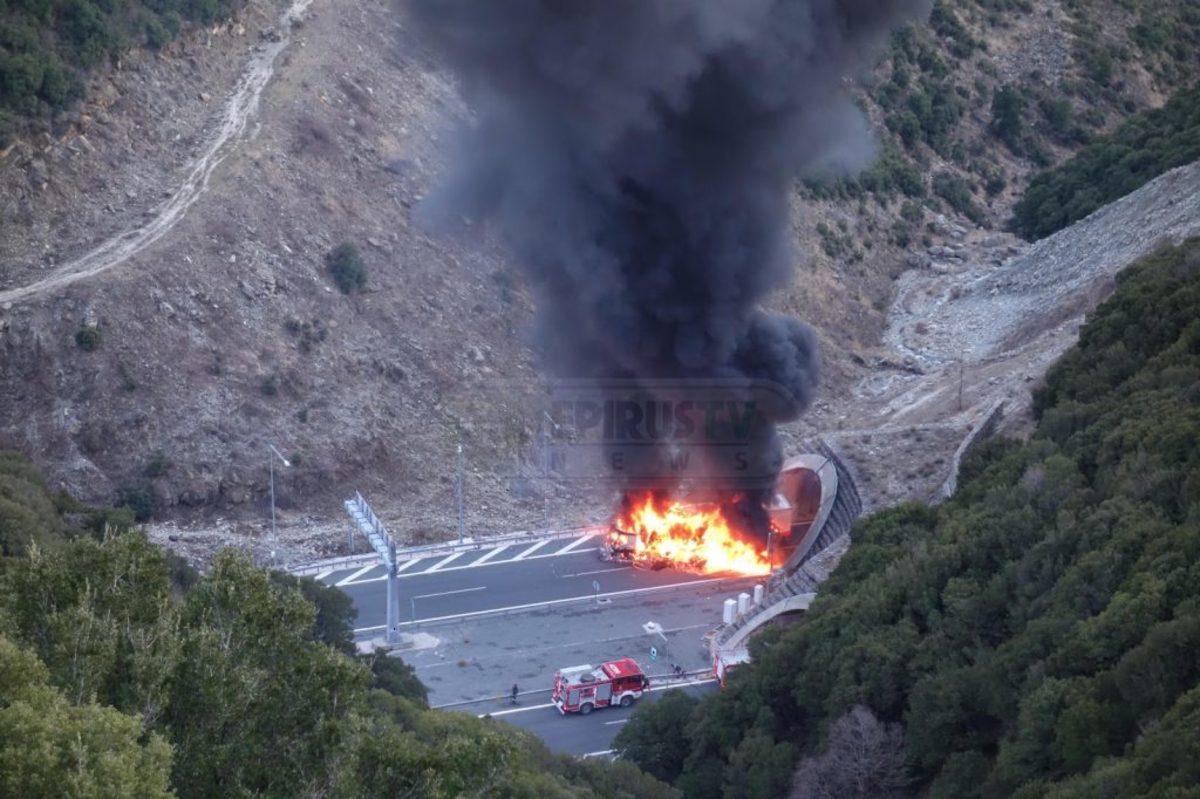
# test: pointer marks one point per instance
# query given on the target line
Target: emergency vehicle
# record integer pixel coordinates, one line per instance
(582, 689)
(726, 660)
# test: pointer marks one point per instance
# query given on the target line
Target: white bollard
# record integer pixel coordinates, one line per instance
(730, 611)
(743, 603)
(758, 594)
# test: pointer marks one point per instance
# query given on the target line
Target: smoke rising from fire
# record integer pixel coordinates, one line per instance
(638, 156)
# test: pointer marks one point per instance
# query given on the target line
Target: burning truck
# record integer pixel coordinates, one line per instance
(653, 531)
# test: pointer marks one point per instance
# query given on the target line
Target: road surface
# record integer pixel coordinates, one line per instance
(511, 579)
(470, 649)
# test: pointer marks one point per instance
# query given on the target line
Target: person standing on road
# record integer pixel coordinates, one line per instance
(515, 690)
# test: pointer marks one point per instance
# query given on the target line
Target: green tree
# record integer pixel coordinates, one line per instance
(50, 747)
(256, 706)
(655, 737)
(334, 624)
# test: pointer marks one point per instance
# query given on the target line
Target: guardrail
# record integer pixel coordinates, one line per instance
(442, 548)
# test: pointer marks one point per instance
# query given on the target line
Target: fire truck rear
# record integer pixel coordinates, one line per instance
(582, 689)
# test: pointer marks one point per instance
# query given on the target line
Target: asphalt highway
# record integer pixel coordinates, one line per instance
(499, 614)
(516, 578)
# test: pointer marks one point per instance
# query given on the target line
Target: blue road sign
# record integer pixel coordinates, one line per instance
(654, 653)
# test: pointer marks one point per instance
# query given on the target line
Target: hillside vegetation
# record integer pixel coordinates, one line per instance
(123, 673)
(47, 47)
(1036, 636)
(1142, 148)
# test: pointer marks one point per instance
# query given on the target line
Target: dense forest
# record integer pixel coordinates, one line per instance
(1038, 635)
(125, 673)
(48, 46)
(1142, 148)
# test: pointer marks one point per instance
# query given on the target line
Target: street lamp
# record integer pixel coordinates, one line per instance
(458, 489)
(285, 462)
(547, 464)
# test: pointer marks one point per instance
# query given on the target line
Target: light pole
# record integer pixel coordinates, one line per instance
(285, 462)
(458, 486)
(547, 464)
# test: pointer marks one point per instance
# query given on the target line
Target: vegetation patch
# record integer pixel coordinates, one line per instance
(1141, 149)
(48, 47)
(126, 673)
(87, 338)
(347, 268)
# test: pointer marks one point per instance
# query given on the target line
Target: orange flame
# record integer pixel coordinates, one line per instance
(694, 538)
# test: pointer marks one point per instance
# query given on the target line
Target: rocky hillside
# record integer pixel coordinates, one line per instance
(167, 311)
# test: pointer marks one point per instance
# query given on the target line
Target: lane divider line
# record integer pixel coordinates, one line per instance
(448, 593)
(554, 602)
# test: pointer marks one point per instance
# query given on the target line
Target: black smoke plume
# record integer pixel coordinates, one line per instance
(639, 155)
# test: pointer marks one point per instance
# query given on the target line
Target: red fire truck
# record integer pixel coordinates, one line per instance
(582, 689)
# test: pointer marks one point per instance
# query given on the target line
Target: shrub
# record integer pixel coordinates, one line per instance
(140, 499)
(87, 338)
(954, 190)
(347, 268)
(1008, 106)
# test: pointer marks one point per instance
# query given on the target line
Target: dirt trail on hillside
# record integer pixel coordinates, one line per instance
(239, 110)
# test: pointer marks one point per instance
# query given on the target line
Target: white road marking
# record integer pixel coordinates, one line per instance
(490, 555)
(405, 565)
(618, 721)
(577, 543)
(555, 602)
(444, 561)
(532, 549)
(482, 561)
(448, 593)
(517, 710)
(323, 575)
(597, 571)
(357, 574)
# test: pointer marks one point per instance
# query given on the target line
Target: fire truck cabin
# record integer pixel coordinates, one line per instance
(581, 689)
